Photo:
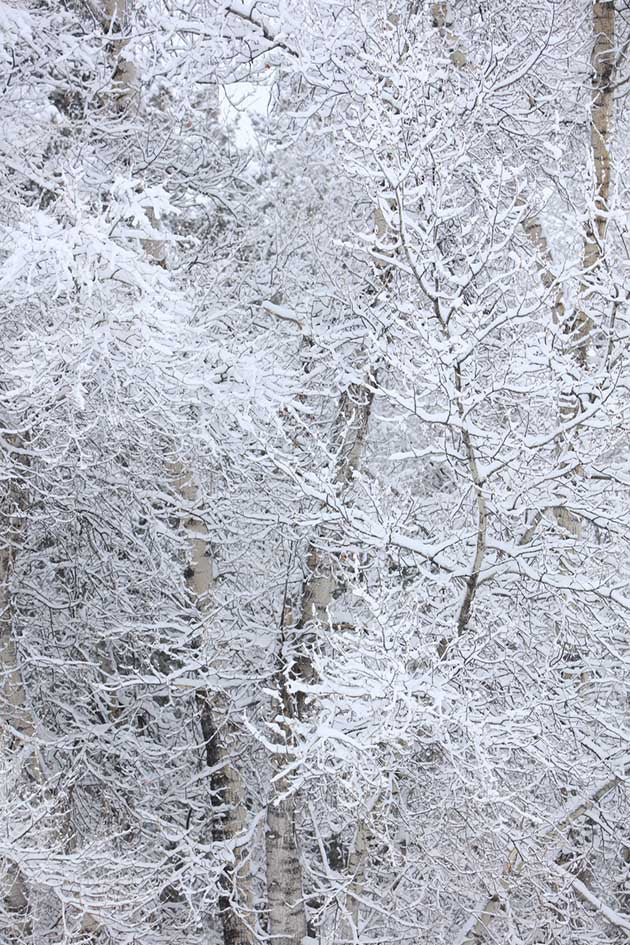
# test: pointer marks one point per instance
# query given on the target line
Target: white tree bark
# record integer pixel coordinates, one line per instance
(285, 896)
(16, 723)
(602, 112)
(287, 909)
(115, 22)
(236, 898)
(349, 929)
(579, 328)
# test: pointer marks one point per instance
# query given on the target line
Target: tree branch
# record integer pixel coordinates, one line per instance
(473, 932)
(248, 17)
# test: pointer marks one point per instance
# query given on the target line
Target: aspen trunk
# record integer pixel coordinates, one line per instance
(115, 20)
(236, 903)
(236, 899)
(286, 907)
(602, 105)
(580, 327)
(578, 330)
(16, 721)
(34, 906)
(288, 923)
(355, 868)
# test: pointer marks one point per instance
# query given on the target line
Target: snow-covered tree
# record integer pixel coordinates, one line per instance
(313, 567)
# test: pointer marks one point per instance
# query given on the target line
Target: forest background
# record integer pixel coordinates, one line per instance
(314, 465)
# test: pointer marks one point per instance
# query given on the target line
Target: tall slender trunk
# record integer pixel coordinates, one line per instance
(602, 109)
(355, 870)
(230, 820)
(16, 722)
(578, 330)
(579, 327)
(285, 896)
(33, 905)
(236, 900)
(115, 21)
(288, 921)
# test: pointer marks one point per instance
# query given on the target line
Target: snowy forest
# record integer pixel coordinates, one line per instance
(314, 472)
